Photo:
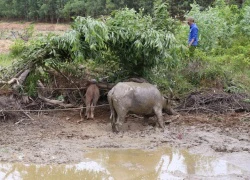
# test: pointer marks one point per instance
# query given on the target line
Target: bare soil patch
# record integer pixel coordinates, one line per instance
(37, 26)
(5, 45)
(7, 29)
(57, 138)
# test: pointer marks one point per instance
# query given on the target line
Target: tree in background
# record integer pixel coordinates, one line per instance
(63, 10)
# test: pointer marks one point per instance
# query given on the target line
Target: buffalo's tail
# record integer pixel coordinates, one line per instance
(113, 114)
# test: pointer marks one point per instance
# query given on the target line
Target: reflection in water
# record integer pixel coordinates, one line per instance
(88, 170)
(127, 164)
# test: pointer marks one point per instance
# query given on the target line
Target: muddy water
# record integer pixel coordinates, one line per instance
(134, 164)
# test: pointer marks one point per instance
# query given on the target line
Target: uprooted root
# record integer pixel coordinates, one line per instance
(207, 102)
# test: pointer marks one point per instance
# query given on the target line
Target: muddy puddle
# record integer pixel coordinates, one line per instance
(163, 163)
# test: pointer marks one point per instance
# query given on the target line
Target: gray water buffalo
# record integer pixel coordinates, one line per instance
(139, 98)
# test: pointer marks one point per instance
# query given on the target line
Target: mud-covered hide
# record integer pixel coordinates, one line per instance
(138, 98)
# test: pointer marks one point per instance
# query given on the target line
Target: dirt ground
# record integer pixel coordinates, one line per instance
(56, 137)
(37, 26)
(5, 45)
(8, 28)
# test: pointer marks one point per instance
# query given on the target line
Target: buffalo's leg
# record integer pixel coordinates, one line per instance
(121, 115)
(170, 111)
(115, 128)
(115, 124)
(158, 113)
(113, 121)
(113, 117)
(145, 120)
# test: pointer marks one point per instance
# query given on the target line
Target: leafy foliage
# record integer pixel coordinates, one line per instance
(134, 43)
(18, 47)
(62, 10)
(131, 39)
(244, 23)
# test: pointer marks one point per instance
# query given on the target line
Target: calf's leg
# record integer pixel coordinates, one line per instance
(87, 111)
(92, 109)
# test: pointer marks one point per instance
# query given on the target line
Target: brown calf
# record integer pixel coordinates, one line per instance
(91, 97)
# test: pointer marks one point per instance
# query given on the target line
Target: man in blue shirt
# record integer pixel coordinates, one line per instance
(193, 36)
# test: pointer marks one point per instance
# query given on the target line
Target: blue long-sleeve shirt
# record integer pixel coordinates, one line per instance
(193, 34)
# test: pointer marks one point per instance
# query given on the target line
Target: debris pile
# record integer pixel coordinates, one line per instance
(219, 102)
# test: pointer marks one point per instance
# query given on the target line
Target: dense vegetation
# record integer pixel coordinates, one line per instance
(62, 10)
(129, 43)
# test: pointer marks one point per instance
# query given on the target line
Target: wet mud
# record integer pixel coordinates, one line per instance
(57, 138)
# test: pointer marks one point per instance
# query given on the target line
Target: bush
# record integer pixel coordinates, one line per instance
(244, 23)
(138, 44)
(5, 60)
(17, 48)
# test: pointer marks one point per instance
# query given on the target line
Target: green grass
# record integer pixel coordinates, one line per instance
(5, 60)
